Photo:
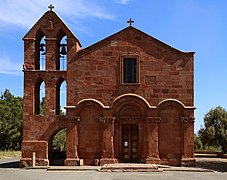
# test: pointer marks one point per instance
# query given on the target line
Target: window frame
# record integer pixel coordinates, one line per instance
(122, 58)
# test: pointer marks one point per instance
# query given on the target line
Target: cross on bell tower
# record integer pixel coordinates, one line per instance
(130, 21)
(51, 7)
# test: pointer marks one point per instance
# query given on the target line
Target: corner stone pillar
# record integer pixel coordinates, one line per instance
(188, 141)
(152, 124)
(72, 158)
(107, 147)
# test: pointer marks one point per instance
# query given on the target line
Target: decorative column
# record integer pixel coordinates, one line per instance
(152, 124)
(107, 145)
(188, 141)
(72, 158)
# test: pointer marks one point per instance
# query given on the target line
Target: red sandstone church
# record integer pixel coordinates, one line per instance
(130, 97)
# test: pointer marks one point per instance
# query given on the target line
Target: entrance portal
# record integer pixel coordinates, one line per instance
(130, 143)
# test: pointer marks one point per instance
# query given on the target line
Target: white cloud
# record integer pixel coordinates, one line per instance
(26, 12)
(8, 67)
(124, 2)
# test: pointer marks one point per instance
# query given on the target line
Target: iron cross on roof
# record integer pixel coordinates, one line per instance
(130, 21)
(51, 7)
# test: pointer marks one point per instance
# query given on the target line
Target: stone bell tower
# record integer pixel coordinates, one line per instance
(45, 61)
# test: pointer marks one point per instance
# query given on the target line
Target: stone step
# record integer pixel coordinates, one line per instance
(129, 167)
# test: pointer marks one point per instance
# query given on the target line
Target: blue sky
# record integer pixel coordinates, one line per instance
(188, 25)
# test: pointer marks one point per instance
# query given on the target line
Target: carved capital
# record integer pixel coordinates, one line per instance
(107, 119)
(184, 119)
(28, 67)
(192, 119)
(153, 119)
(73, 119)
(187, 119)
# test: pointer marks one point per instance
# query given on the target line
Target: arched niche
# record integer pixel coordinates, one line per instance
(89, 135)
(170, 131)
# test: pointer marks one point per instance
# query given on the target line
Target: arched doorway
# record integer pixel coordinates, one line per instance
(130, 111)
(129, 121)
(58, 148)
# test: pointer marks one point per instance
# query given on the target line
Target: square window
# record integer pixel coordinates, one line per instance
(129, 70)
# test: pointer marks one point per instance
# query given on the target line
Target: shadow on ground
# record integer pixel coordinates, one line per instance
(215, 164)
(14, 164)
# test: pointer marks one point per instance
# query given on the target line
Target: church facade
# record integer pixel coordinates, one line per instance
(130, 98)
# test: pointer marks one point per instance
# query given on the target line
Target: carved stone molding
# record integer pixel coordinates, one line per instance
(187, 119)
(184, 119)
(107, 119)
(153, 119)
(28, 67)
(49, 24)
(192, 119)
(73, 118)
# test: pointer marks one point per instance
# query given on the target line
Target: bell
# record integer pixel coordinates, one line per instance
(63, 50)
(41, 47)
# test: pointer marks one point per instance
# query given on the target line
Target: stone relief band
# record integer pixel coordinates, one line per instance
(153, 119)
(187, 119)
(74, 118)
(107, 119)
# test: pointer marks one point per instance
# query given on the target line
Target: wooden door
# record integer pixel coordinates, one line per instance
(130, 143)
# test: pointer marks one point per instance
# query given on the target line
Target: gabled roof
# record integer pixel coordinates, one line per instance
(54, 15)
(120, 35)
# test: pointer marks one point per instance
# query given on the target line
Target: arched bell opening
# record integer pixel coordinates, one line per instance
(40, 51)
(61, 63)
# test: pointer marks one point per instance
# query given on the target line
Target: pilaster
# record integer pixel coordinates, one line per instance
(107, 147)
(72, 158)
(188, 141)
(152, 125)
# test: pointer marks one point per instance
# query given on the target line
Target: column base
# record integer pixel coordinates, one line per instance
(27, 162)
(188, 162)
(72, 162)
(108, 161)
(153, 160)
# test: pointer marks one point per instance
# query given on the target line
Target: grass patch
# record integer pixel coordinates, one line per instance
(8, 154)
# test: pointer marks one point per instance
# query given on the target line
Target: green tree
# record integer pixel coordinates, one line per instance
(197, 143)
(11, 121)
(42, 107)
(59, 141)
(214, 132)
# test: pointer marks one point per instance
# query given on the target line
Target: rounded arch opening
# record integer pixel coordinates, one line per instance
(132, 100)
(129, 109)
(40, 51)
(62, 51)
(40, 97)
(61, 98)
(57, 146)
